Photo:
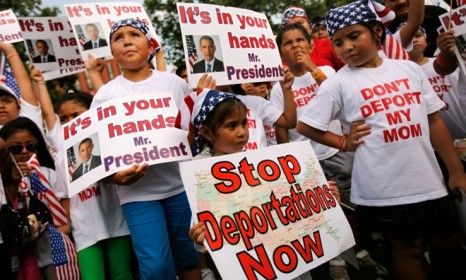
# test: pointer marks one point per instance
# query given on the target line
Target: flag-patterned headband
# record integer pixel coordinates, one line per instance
(292, 12)
(139, 25)
(350, 14)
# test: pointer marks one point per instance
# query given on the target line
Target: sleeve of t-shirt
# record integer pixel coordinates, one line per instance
(58, 185)
(265, 110)
(32, 112)
(323, 108)
(276, 96)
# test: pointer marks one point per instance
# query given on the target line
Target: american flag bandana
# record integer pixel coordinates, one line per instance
(292, 12)
(350, 14)
(139, 25)
(195, 109)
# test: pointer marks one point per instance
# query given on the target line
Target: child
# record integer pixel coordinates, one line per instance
(154, 202)
(22, 102)
(98, 227)
(23, 140)
(221, 129)
(395, 178)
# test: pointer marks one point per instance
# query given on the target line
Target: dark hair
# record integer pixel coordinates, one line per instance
(208, 38)
(217, 116)
(180, 68)
(289, 27)
(93, 25)
(82, 99)
(85, 140)
(371, 25)
(42, 41)
(23, 123)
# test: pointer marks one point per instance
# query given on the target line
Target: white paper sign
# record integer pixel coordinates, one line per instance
(456, 20)
(9, 27)
(52, 46)
(268, 212)
(92, 22)
(119, 134)
(234, 45)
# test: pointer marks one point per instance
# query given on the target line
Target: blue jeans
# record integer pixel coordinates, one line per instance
(159, 232)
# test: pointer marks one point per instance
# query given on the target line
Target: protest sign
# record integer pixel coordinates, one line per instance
(456, 20)
(241, 41)
(268, 213)
(119, 134)
(9, 28)
(92, 22)
(51, 46)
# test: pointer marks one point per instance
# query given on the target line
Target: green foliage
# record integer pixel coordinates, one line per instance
(22, 7)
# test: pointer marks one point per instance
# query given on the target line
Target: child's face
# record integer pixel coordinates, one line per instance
(294, 44)
(232, 135)
(130, 48)
(70, 110)
(22, 145)
(9, 108)
(355, 45)
(320, 31)
(419, 42)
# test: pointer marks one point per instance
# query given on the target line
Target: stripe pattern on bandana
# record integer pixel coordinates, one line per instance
(207, 100)
(293, 12)
(139, 25)
(350, 14)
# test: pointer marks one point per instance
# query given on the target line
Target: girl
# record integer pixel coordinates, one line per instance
(99, 229)
(19, 101)
(395, 178)
(154, 202)
(220, 122)
(24, 139)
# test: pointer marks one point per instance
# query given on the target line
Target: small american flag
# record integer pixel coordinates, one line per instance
(9, 78)
(192, 52)
(71, 160)
(40, 184)
(63, 255)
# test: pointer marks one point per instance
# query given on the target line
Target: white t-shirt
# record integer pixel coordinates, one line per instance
(304, 90)
(95, 212)
(446, 87)
(162, 180)
(396, 163)
(260, 112)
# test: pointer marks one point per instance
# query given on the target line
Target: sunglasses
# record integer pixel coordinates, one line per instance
(18, 148)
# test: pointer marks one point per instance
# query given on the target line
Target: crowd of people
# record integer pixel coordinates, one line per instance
(380, 115)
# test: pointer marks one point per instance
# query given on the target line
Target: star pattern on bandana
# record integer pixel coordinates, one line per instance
(347, 15)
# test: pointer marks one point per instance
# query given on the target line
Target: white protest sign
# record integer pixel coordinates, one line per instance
(119, 134)
(241, 41)
(92, 22)
(456, 20)
(9, 27)
(52, 46)
(268, 212)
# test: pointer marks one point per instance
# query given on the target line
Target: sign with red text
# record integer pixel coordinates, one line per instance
(456, 20)
(233, 45)
(268, 213)
(120, 133)
(92, 22)
(9, 28)
(52, 46)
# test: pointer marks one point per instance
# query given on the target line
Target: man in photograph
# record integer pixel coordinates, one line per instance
(209, 63)
(89, 161)
(95, 41)
(43, 50)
